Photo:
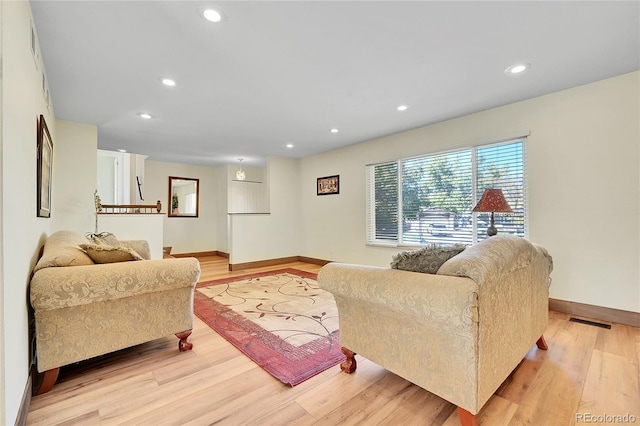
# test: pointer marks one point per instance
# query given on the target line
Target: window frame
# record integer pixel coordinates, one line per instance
(399, 241)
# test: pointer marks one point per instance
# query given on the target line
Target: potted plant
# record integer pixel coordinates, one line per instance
(174, 203)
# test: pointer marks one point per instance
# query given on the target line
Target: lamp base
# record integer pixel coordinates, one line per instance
(492, 230)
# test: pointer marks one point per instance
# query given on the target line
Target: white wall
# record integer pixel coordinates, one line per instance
(222, 219)
(583, 186)
(106, 179)
(73, 183)
(74, 176)
(250, 195)
(149, 227)
(275, 235)
(185, 234)
(22, 232)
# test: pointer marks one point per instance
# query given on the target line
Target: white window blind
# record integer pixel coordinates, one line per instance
(503, 166)
(382, 217)
(428, 199)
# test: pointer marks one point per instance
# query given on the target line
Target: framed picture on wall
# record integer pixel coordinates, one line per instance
(329, 185)
(44, 167)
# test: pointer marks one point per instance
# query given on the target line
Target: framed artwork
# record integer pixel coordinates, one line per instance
(329, 185)
(45, 163)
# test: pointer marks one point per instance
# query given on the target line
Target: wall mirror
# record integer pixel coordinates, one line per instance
(183, 197)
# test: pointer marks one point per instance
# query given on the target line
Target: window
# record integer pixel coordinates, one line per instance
(428, 199)
(190, 203)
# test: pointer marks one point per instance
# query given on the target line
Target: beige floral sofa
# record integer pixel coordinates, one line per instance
(84, 309)
(458, 333)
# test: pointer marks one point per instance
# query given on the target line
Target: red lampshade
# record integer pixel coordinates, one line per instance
(492, 200)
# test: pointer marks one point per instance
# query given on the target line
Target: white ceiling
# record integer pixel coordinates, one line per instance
(274, 73)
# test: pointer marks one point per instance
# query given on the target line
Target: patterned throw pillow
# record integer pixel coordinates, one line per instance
(62, 249)
(427, 260)
(104, 238)
(102, 253)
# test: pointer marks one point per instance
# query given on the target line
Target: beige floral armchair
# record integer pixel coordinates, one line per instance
(83, 309)
(458, 333)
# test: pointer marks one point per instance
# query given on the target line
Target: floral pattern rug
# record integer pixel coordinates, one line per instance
(280, 319)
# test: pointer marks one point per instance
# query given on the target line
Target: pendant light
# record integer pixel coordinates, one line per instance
(240, 175)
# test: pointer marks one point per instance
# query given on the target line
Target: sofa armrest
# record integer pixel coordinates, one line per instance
(427, 298)
(544, 253)
(60, 287)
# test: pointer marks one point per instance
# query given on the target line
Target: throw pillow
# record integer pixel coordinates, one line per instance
(104, 238)
(427, 260)
(62, 249)
(101, 253)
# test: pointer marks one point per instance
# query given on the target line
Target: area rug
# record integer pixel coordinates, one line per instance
(280, 319)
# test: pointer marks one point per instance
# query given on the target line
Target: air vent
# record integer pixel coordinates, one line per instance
(595, 324)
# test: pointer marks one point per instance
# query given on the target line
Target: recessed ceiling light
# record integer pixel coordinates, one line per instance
(168, 82)
(122, 150)
(145, 115)
(516, 69)
(289, 145)
(212, 15)
(334, 130)
(402, 108)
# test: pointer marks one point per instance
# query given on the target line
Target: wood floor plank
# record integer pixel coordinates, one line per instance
(269, 400)
(334, 392)
(517, 384)
(372, 405)
(604, 393)
(498, 411)
(177, 392)
(90, 418)
(79, 404)
(224, 403)
(154, 384)
(554, 393)
(433, 409)
(289, 415)
(616, 340)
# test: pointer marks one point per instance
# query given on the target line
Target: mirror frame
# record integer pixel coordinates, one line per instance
(170, 205)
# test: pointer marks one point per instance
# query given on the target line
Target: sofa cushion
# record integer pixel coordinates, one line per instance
(102, 253)
(427, 260)
(62, 248)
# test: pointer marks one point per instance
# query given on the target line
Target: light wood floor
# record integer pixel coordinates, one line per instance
(587, 371)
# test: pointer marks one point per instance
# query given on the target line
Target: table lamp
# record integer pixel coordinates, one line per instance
(492, 200)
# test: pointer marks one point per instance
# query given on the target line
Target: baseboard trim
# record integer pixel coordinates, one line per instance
(313, 260)
(278, 261)
(198, 254)
(262, 263)
(21, 420)
(596, 312)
